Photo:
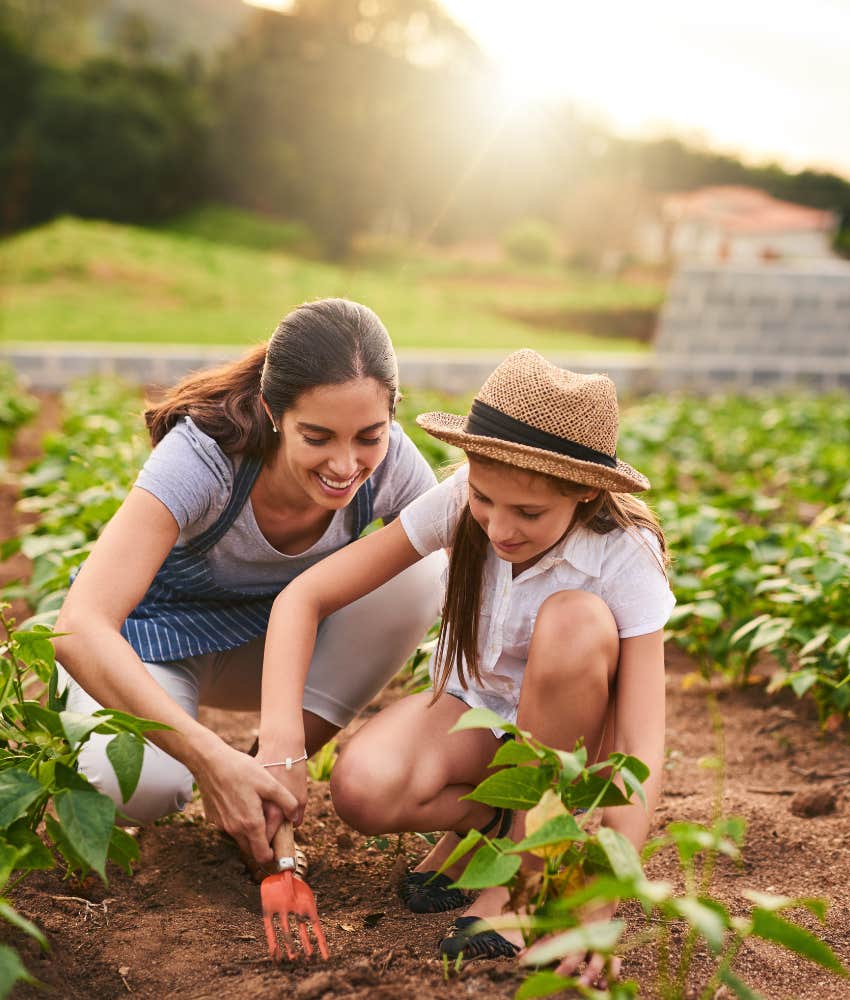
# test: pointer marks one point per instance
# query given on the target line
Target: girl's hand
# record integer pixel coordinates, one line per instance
(595, 973)
(295, 783)
(237, 791)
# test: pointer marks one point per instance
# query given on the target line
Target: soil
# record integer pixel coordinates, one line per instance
(187, 922)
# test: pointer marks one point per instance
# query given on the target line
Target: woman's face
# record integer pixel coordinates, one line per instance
(522, 514)
(333, 438)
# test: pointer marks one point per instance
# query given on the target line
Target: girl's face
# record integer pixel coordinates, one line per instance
(522, 514)
(333, 438)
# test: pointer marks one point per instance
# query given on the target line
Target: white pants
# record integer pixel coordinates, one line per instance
(358, 650)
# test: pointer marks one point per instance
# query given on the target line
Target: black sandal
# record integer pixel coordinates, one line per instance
(459, 942)
(428, 892)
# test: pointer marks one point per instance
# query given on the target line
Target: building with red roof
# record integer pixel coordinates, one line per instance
(740, 225)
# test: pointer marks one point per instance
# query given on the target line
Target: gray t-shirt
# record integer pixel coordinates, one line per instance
(193, 477)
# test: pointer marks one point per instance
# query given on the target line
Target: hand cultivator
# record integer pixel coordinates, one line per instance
(285, 895)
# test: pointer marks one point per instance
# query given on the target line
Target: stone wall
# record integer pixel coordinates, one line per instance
(759, 325)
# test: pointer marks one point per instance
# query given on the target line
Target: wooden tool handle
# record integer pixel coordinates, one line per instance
(283, 843)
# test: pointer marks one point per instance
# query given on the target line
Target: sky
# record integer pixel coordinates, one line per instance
(762, 79)
(766, 80)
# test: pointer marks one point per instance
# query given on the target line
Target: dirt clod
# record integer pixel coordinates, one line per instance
(814, 802)
(320, 984)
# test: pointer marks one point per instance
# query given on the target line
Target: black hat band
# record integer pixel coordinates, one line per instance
(486, 421)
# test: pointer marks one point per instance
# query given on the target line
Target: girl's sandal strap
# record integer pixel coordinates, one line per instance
(485, 944)
(499, 825)
(428, 892)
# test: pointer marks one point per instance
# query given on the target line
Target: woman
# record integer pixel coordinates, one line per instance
(260, 469)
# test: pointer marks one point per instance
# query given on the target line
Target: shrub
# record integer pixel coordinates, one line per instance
(530, 242)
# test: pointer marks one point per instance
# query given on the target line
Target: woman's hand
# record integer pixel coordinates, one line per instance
(244, 799)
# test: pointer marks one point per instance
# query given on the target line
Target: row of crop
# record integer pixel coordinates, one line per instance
(752, 492)
(731, 561)
(49, 813)
(16, 407)
(754, 496)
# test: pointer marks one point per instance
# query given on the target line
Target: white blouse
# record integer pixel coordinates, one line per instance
(622, 567)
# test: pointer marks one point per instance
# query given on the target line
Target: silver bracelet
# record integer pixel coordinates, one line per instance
(288, 762)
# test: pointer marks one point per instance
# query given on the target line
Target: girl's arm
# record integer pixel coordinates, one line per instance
(331, 584)
(639, 728)
(115, 577)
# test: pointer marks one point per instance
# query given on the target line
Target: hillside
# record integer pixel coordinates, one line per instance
(82, 280)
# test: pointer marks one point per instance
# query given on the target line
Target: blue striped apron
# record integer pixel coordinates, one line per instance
(186, 613)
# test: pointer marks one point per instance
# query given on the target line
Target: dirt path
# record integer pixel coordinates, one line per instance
(187, 922)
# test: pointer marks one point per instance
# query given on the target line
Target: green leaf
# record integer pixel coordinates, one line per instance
(740, 989)
(584, 794)
(18, 790)
(124, 722)
(489, 866)
(706, 920)
(771, 927)
(33, 853)
(87, 817)
(12, 970)
(77, 726)
(770, 901)
(37, 715)
(601, 935)
(513, 788)
(11, 916)
(464, 847)
(572, 764)
(126, 752)
(543, 984)
(558, 830)
(745, 630)
(55, 702)
(802, 680)
(123, 849)
(34, 647)
(633, 782)
(513, 752)
(483, 718)
(620, 852)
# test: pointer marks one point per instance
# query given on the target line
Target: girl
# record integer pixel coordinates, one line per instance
(261, 469)
(556, 600)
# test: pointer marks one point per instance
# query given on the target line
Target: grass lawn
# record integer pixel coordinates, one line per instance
(80, 280)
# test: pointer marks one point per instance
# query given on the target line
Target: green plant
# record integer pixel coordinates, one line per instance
(321, 764)
(76, 487)
(47, 809)
(16, 406)
(530, 242)
(579, 871)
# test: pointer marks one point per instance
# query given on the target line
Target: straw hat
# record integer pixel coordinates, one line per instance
(534, 415)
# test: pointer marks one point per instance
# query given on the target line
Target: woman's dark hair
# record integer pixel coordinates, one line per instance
(327, 342)
(457, 645)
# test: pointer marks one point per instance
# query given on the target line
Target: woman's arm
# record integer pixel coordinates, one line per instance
(331, 584)
(115, 577)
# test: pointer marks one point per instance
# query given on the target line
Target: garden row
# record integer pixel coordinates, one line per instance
(750, 494)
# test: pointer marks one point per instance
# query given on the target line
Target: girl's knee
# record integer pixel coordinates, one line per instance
(576, 614)
(165, 785)
(574, 627)
(365, 784)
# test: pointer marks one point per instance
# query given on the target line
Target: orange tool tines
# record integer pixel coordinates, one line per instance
(285, 895)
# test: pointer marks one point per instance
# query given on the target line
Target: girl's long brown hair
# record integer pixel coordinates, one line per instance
(327, 342)
(457, 645)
